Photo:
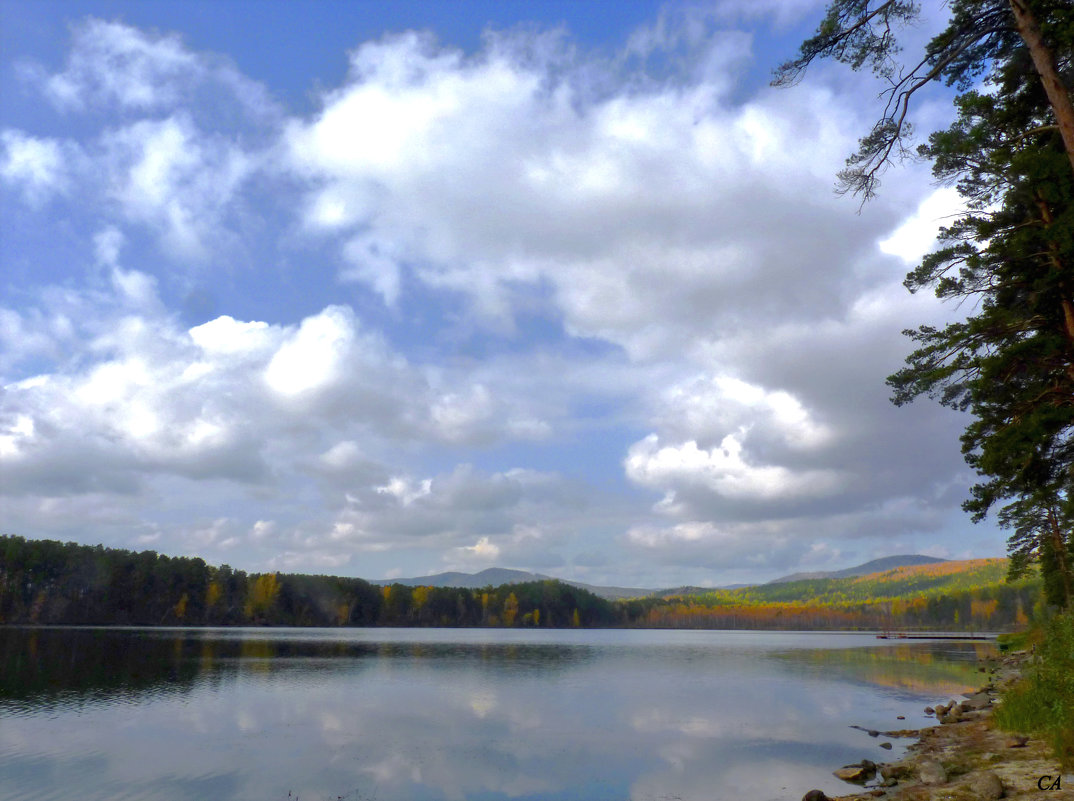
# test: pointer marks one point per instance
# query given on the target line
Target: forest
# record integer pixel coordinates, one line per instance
(46, 582)
(971, 595)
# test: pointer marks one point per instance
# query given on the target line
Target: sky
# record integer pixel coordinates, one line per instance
(388, 289)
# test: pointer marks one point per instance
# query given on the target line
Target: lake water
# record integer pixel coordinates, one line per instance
(476, 714)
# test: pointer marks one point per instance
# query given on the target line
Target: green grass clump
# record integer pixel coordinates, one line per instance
(1043, 702)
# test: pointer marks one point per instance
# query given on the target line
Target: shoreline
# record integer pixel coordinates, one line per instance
(964, 757)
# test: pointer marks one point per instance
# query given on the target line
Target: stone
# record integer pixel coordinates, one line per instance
(815, 795)
(985, 786)
(851, 773)
(888, 746)
(1017, 742)
(930, 711)
(873, 733)
(896, 771)
(953, 717)
(858, 774)
(977, 701)
(929, 771)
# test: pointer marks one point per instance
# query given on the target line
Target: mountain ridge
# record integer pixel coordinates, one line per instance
(496, 576)
(864, 569)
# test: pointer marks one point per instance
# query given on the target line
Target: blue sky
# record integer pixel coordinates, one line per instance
(384, 289)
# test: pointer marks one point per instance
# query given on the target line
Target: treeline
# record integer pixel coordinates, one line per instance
(988, 608)
(908, 581)
(955, 595)
(49, 582)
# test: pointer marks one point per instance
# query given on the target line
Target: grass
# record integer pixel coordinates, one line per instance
(1042, 703)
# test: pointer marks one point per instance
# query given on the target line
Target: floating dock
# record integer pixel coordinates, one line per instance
(901, 636)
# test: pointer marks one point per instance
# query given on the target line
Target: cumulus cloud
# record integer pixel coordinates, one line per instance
(723, 470)
(519, 516)
(175, 179)
(212, 401)
(572, 269)
(646, 210)
(167, 138)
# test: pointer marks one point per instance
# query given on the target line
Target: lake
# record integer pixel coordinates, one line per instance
(476, 714)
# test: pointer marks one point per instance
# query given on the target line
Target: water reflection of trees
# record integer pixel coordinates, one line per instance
(41, 667)
(922, 667)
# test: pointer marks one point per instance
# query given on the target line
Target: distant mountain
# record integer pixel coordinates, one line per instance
(875, 566)
(495, 576)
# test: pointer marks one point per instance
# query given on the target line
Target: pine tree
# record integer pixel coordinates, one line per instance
(1009, 259)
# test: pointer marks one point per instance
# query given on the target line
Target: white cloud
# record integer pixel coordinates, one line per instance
(916, 236)
(176, 179)
(107, 244)
(405, 490)
(313, 356)
(39, 166)
(226, 336)
(722, 470)
(626, 264)
(112, 65)
(482, 551)
(647, 211)
(111, 62)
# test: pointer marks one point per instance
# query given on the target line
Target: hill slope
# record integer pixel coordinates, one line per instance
(875, 566)
(933, 578)
(951, 596)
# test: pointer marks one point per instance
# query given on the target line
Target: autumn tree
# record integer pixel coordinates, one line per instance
(510, 610)
(263, 594)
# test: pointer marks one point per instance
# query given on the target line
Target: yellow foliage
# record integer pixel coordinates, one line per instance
(983, 610)
(180, 607)
(262, 594)
(213, 594)
(510, 610)
(420, 596)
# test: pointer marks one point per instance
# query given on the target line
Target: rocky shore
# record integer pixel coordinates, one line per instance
(964, 757)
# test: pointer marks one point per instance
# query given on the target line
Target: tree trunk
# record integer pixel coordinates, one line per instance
(1060, 545)
(1044, 61)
